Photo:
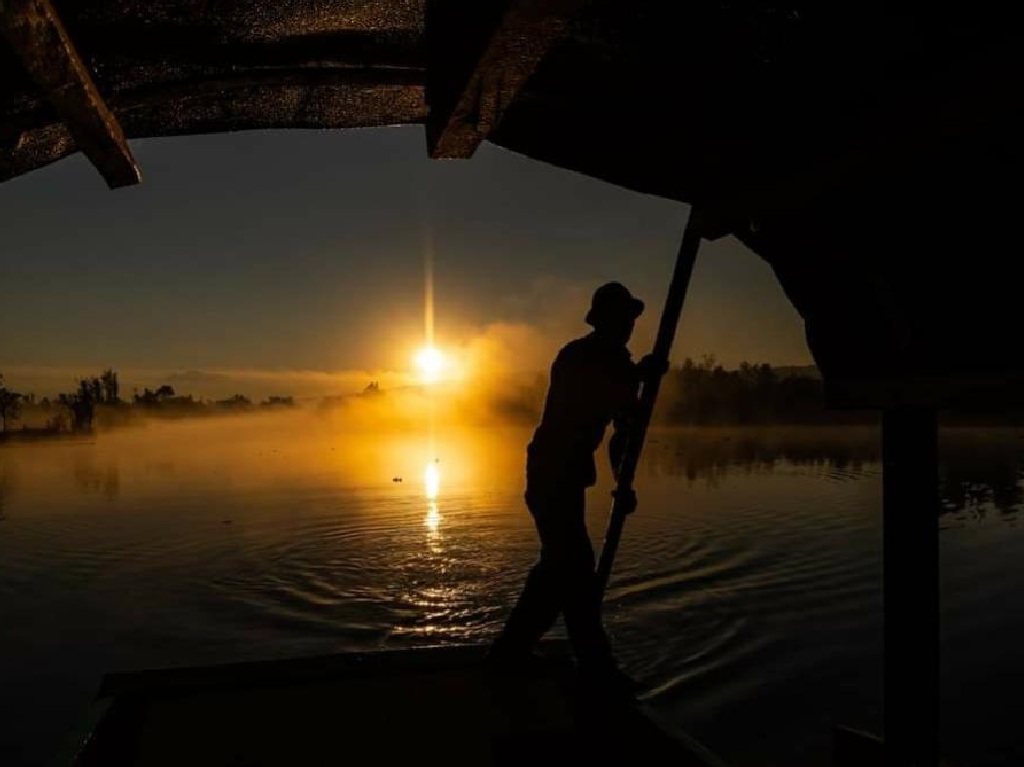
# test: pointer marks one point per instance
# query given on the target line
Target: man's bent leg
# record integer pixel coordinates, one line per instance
(580, 604)
(538, 605)
(533, 615)
(568, 558)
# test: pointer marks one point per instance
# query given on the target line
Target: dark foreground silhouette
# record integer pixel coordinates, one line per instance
(594, 382)
(440, 705)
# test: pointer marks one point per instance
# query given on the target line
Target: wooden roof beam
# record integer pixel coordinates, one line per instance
(468, 99)
(38, 37)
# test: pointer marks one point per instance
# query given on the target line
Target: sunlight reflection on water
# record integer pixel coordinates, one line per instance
(433, 518)
(747, 581)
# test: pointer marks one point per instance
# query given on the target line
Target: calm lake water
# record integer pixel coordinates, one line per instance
(745, 598)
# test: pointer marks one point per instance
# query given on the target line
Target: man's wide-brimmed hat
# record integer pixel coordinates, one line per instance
(612, 301)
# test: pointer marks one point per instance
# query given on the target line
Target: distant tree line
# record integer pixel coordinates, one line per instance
(705, 393)
(97, 400)
(164, 400)
(10, 405)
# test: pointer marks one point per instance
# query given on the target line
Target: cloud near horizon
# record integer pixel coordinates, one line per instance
(498, 355)
(499, 352)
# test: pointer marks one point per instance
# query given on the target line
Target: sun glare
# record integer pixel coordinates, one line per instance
(430, 363)
(432, 480)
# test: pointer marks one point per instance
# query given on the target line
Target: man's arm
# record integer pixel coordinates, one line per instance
(617, 449)
(625, 498)
(625, 423)
(624, 420)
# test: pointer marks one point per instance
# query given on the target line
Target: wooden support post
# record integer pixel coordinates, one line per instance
(38, 37)
(911, 585)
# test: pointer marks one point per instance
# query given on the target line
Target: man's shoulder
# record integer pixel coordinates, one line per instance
(579, 351)
(588, 350)
(576, 348)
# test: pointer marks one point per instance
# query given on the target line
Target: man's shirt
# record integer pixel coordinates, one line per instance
(592, 384)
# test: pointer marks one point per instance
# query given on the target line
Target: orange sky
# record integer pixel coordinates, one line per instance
(304, 273)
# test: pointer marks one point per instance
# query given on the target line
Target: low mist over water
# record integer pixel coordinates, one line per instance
(745, 598)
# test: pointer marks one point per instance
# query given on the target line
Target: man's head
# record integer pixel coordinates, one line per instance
(613, 311)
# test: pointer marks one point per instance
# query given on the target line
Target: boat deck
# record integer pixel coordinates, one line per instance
(432, 706)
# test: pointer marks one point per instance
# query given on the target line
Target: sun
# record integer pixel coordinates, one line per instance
(430, 362)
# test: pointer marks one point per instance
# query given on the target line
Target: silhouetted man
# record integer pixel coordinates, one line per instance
(594, 382)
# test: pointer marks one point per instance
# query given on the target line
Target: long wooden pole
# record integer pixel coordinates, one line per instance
(685, 260)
